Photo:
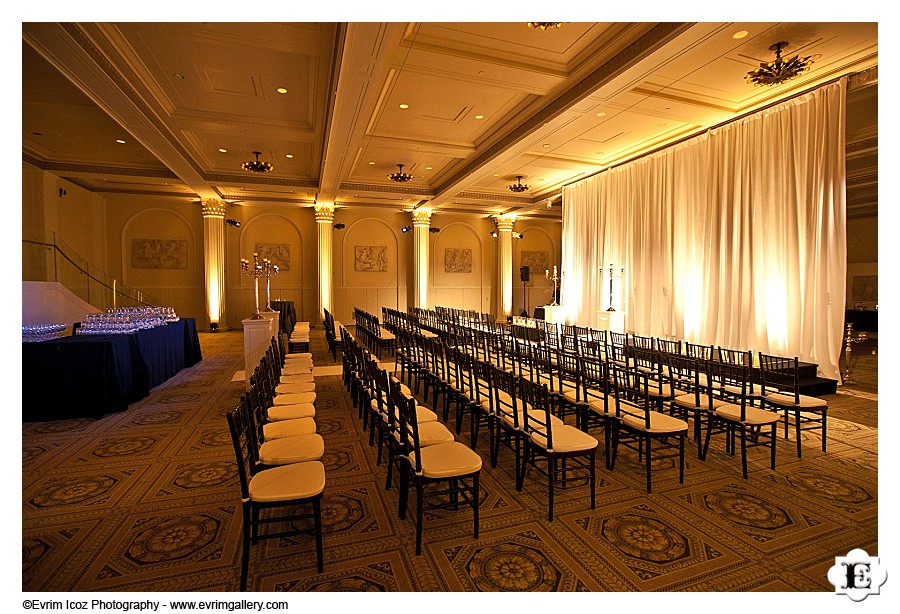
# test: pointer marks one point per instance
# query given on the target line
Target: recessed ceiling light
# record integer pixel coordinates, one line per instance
(601, 114)
(222, 150)
(496, 174)
(546, 144)
(479, 117)
(404, 106)
(282, 90)
(120, 141)
(371, 163)
(740, 34)
(178, 75)
(288, 155)
(427, 168)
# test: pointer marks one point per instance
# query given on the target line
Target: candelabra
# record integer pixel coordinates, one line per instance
(612, 276)
(849, 339)
(255, 271)
(269, 271)
(555, 279)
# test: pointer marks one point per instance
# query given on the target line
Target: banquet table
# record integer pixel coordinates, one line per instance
(92, 375)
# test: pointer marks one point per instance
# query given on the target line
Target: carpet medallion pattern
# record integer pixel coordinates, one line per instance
(148, 500)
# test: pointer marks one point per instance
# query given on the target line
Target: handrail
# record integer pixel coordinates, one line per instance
(65, 266)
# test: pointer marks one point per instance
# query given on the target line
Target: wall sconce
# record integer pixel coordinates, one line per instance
(495, 234)
(435, 230)
(518, 235)
(338, 227)
(405, 229)
(232, 222)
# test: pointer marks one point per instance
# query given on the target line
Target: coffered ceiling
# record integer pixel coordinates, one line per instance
(465, 107)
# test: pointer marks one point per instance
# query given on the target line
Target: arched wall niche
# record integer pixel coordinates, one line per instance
(460, 271)
(370, 269)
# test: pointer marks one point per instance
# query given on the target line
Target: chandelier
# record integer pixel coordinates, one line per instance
(780, 70)
(400, 176)
(255, 166)
(544, 25)
(518, 186)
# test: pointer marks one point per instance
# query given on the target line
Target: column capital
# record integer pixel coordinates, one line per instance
(421, 217)
(213, 207)
(505, 222)
(324, 213)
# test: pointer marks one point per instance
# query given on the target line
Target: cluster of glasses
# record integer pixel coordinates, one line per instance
(42, 332)
(126, 320)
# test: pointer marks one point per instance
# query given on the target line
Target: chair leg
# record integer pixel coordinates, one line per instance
(551, 478)
(681, 458)
(245, 551)
(744, 450)
(420, 516)
(593, 479)
(824, 429)
(476, 501)
(797, 419)
(774, 437)
(649, 444)
(404, 492)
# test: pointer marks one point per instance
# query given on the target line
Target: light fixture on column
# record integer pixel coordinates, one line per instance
(434, 230)
(544, 25)
(518, 235)
(232, 222)
(255, 166)
(779, 70)
(400, 176)
(339, 226)
(405, 229)
(518, 186)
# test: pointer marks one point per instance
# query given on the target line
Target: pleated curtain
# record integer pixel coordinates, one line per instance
(735, 238)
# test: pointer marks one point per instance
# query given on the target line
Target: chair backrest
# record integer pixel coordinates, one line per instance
(619, 339)
(482, 382)
(594, 379)
(242, 438)
(698, 351)
(735, 357)
(629, 388)
(568, 371)
(506, 405)
(669, 346)
(407, 426)
(537, 421)
(780, 374)
(640, 341)
(684, 373)
(729, 382)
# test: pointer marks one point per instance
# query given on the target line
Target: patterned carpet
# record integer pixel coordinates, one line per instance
(148, 500)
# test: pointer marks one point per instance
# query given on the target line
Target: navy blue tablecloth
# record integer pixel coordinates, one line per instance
(93, 375)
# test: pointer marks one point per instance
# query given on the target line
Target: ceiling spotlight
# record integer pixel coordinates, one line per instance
(400, 176)
(518, 186)
(405, 229)
(255, 166)
(338, 226)
(232, 222)
(779, 70)
(433, 229)
(544, 25)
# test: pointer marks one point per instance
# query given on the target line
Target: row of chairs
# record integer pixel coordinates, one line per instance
(371, 333)
(279, 452)
(774, 382)
(516, 410)
(444, 472)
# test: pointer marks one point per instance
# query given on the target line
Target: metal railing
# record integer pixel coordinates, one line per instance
(45, 257)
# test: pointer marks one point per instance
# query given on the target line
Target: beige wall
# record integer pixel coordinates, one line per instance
(862, 259)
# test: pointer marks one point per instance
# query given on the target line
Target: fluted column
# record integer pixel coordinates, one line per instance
(505, 262)
(325, 226)
(421, 219)
(213, 212)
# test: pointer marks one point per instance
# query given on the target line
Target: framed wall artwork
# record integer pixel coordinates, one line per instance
(158, 254)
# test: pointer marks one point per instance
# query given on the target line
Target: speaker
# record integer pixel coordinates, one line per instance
(524, 273)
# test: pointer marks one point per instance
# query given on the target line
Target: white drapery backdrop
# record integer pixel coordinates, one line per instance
(735, 238)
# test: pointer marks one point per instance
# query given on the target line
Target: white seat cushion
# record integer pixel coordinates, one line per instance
(291, 412)
(299, 356)
(295, 398)
(446, 460)
(787, 400)
(288, 482)
(295, 388)
(566, 439)
(289, 428)
(688, 401)
(433, 433)
(753, 415)
(659, 423)
(301, 378)
(296, 449)
(296, 370)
